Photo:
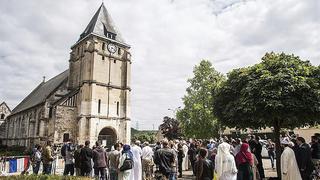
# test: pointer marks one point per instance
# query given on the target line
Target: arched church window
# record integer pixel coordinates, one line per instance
(103, 46)
(2, 116)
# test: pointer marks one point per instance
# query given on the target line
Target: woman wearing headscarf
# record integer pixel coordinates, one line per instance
(126, 154)
(225, 166)
(244, 160)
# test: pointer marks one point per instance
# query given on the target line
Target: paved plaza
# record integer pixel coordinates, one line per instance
(269, 172)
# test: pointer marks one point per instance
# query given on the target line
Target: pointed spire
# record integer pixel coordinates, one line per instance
(102, 25)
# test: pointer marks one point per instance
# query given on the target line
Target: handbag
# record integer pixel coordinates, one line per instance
(127, 164)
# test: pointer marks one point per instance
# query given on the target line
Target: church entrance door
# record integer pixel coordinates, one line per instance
(107, 137)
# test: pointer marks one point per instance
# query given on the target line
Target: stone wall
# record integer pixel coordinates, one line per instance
(65, 122)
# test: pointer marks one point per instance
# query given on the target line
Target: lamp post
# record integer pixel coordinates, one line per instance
(174, 111)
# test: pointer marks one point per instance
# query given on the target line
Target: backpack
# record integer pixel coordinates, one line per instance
(127, 164)
(63, 150)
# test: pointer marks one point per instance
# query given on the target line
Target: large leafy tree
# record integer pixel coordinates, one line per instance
(280, 92)
(170, 128)
(196, 118)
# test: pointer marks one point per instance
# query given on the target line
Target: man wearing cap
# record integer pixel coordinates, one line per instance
(289, 167)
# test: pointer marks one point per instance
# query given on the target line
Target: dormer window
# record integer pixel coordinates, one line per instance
(111, 35)
(108, 34)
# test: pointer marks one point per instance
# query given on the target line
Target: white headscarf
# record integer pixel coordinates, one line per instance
(222, 157)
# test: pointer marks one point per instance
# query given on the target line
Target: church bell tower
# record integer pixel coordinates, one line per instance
(100, 70)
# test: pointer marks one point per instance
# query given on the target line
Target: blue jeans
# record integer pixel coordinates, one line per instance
(47, 168)
(36, 167)
(172, 176)
(271, 156)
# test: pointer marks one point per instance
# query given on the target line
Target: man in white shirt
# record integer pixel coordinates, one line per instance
(147, 161)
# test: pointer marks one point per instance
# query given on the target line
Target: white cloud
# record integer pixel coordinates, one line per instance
(168, 37)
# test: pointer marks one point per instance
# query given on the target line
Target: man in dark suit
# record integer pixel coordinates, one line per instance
(303, 156)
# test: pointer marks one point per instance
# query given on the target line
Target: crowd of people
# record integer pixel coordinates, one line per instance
(223, 159)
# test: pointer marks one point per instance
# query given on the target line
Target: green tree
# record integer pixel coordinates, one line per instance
(145, 136)
(170, 128)
(280, 92)
(196, 118)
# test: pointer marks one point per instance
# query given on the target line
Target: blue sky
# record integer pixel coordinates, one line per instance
(168, 38)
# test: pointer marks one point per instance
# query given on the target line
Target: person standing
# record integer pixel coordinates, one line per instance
(86, 157)
(185, 162)
(147, 161)
(47, 158)
(136, 173)
(271, 153)
(257, 152)
(203, 166)
(113, 159)
(36, 159)
(289, 167)
(100, 159)
(225, 165)
(125, 157)
(303, 156)
(192, 153)
(180, 159)
(77, 160)
(165, 159)
(244, 160)
(315, 149)
(68, 158)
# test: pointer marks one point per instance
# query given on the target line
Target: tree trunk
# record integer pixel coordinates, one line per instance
(276, 127)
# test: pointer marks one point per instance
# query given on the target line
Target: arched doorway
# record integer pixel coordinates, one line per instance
(107, 137)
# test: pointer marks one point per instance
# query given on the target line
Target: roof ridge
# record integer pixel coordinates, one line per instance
(41, 92)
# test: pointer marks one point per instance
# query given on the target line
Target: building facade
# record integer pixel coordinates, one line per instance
(89, 101)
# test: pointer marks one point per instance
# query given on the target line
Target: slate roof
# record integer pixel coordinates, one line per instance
(100, 24)
(41, 92)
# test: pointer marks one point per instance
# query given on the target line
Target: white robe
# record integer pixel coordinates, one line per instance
(289, 167)
(123, 175)
(225, 165)
(185, 161)
(136, 172)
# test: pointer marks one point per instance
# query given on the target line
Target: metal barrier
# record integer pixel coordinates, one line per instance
(14, 165)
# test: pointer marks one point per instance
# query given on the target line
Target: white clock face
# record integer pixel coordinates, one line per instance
(112, 48)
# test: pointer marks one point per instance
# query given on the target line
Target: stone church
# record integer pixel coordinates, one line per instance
(88, 101)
